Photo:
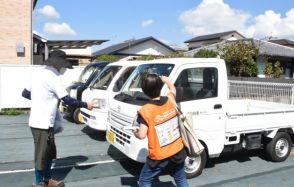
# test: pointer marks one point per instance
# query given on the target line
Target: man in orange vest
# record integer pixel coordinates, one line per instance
(158, 121)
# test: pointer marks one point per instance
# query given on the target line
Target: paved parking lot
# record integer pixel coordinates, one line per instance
(86, 159)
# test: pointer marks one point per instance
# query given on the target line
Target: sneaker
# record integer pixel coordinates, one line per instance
(54, 183)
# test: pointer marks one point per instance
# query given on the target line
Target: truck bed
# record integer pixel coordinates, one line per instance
(254, 115)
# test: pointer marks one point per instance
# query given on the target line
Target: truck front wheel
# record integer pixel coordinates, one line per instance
(278, 149)
(195, 165)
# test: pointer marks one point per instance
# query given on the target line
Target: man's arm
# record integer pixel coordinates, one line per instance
(76, 103)
(169, 84)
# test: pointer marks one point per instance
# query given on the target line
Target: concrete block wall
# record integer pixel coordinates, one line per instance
(15, 27)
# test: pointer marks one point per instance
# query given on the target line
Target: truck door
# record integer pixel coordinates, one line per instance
(197, 93)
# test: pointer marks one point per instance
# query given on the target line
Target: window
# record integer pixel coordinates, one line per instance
(122, 79)
(196, 83)
(105, 77)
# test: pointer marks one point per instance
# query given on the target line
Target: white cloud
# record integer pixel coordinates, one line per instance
(49, 12)
(212, 16)
(273, 24)
(58, 29)
(147, 23)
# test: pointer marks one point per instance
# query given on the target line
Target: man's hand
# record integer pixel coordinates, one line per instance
(169, 84)
(90, 105)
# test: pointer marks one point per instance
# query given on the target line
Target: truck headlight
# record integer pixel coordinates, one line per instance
(99, 103)
(73, 93)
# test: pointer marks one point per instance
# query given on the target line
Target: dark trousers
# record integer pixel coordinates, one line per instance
(45, 151)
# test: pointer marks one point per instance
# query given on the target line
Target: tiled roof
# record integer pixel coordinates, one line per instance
(211, 36)
(273, 49)
(265, 48)
(283, 42)
(115, 49)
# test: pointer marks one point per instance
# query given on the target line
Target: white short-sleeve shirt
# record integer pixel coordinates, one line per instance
(46, 88)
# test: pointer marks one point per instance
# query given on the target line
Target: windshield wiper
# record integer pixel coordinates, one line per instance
(141, 96)
(123, 97)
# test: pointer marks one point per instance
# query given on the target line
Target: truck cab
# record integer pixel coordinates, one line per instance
(198, 91)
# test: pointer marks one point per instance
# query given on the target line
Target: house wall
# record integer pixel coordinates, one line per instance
(233, 36)
(86, 51)
(16, 28)
(10, 96)
(148, 48)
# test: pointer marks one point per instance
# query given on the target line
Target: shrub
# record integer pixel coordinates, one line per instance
(109, 58)
(273, 69)
(205, 53)
(11, 111)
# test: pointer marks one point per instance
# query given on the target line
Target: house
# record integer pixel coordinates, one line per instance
(130, 49)
(268, 52)
(209, 39)
(78, 52)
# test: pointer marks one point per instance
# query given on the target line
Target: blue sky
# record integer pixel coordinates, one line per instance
(171, 21)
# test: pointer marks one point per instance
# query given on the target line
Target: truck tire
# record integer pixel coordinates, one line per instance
(278, 149)
(195, 165)
(76, 116)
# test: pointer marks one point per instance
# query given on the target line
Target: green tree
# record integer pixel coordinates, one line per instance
(109, 58)
(205, 53)
(240, 57)
(273, 69)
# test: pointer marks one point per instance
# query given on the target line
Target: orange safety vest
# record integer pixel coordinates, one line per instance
(163, 131)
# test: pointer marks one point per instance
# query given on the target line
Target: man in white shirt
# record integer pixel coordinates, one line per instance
(45, 91)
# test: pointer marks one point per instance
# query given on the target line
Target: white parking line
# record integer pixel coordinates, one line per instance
(58, 167)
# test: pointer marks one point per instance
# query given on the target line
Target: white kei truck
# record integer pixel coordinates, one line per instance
(107, 84)
(221, 124)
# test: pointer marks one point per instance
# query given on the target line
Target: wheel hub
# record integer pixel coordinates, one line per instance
(282, 147)
(192, 164)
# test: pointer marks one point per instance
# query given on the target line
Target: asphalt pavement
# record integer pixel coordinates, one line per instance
(86, 159)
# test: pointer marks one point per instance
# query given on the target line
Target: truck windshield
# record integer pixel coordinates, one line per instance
(103, 80)
(132, 92)
(87, 72)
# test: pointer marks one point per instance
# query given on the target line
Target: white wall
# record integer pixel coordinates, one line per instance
(86, 51)
(13, 79)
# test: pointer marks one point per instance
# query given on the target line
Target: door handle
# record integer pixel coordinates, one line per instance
(217, 106)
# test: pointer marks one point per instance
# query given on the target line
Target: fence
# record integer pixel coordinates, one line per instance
(267, 91)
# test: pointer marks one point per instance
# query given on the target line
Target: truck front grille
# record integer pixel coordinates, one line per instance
(120, 137)
(117, 122)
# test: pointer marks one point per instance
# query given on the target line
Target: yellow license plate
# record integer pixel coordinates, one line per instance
(110, 136)
(61, 109)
